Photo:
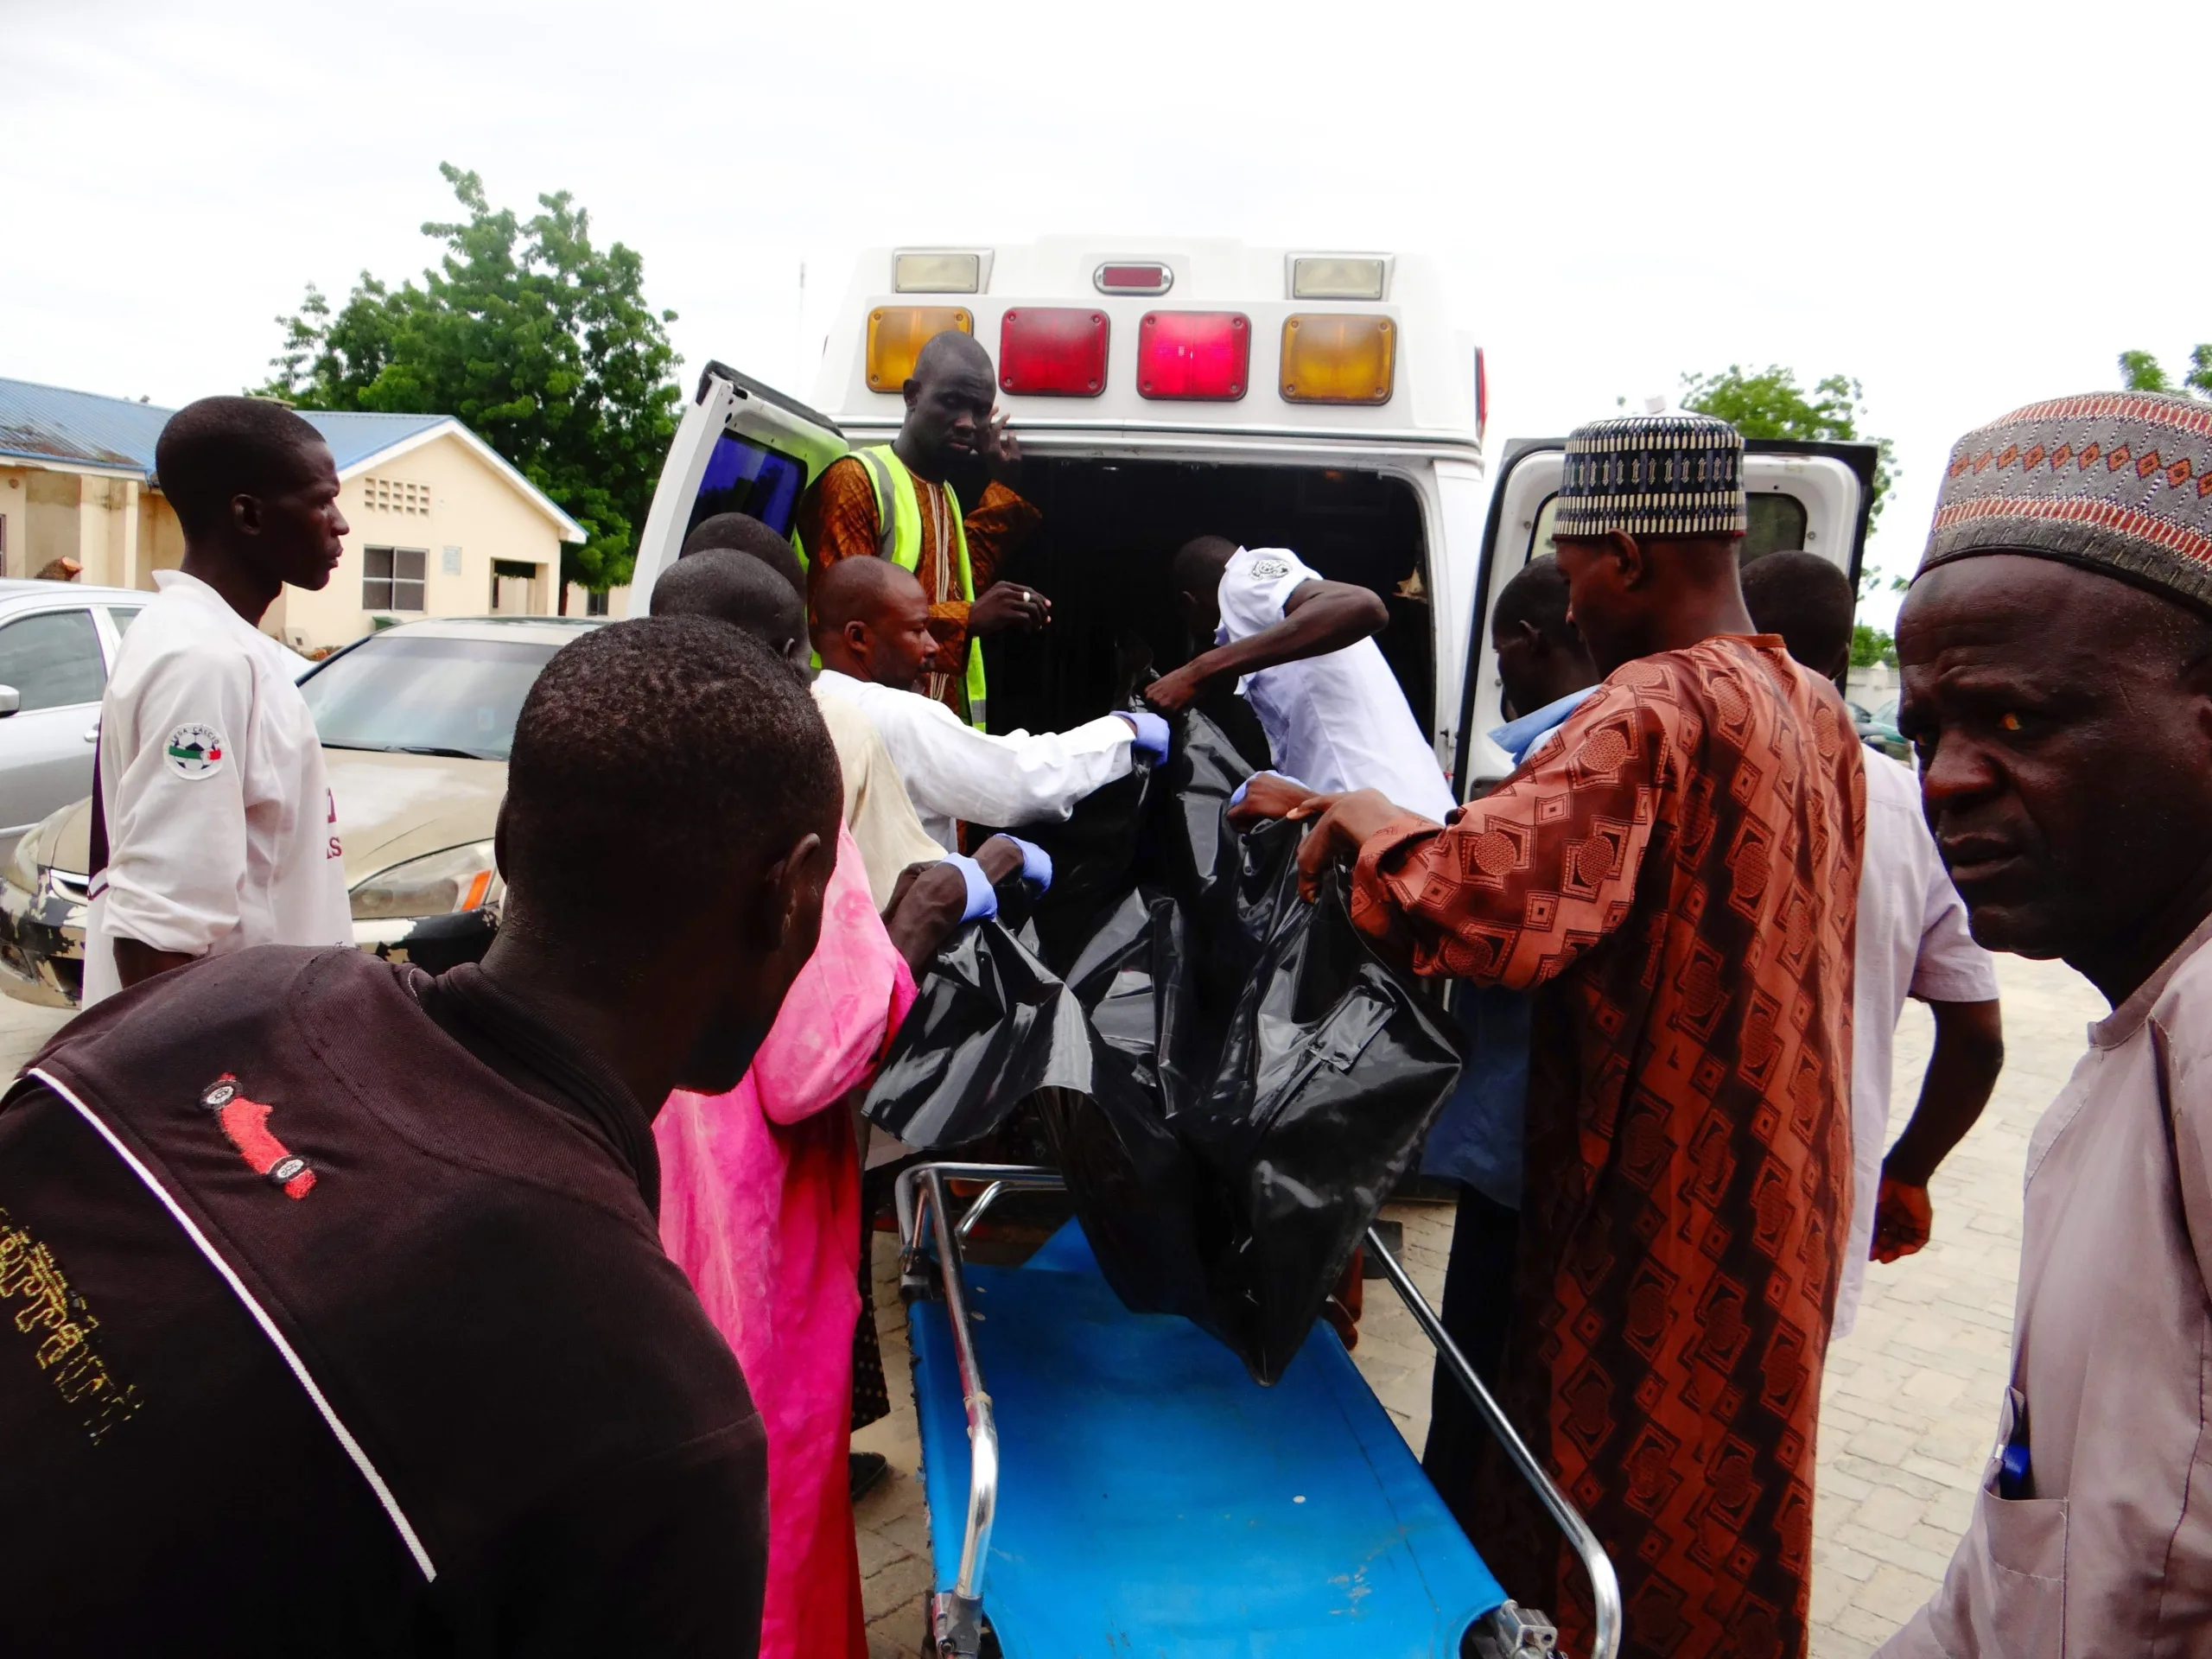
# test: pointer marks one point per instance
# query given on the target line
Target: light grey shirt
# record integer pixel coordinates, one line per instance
(2112, 1360)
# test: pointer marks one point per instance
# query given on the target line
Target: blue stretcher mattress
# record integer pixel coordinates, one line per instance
(1154, 1500)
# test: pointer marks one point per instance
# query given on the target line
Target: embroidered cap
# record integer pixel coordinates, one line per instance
(1672, 474)
(2120, 481)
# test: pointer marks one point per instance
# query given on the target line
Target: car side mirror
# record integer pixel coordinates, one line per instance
(10, 700)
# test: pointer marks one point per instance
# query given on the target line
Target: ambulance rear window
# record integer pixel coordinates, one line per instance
(1777, 525)
(744, 475)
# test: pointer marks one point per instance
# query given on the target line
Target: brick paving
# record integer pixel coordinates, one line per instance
(1907, 1412)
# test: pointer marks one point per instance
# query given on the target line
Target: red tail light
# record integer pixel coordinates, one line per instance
(1052, 352)
(1482, 393)
(1194, 354)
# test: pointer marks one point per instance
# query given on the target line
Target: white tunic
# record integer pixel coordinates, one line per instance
(2112, 1361)
(221, 830)
(1335, 721)
(1912, 942)
(956, 775)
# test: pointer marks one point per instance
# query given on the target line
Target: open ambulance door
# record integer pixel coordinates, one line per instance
(1813, 496)
(741, 447)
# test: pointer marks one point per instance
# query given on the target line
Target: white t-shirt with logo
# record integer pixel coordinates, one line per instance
(1912, 942)
(222, 832)
(1335, 721)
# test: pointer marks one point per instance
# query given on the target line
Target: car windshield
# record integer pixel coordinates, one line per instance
(421, 695)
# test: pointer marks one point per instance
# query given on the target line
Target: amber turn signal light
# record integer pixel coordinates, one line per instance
(1333, 358)
(896, 334)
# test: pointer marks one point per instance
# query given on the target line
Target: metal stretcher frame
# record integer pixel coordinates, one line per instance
(957, 1619)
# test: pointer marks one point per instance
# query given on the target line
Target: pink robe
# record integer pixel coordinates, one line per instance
(760, 1204)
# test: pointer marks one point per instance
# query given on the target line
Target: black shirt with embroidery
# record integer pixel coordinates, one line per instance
(333, 1319)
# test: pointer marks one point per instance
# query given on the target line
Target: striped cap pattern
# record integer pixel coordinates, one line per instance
(1673, 474)
(2120, 481)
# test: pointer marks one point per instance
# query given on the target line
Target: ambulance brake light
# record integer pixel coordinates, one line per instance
(937, 271)
(1333, 276)
(1332, 358)
(1133, 276)
(896, 334)
(1052, 352)
(1194, 355)
(1482, 393)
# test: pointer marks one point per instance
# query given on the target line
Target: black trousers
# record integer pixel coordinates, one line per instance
(1478, 1302)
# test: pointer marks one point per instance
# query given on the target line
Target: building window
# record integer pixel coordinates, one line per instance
(393, 495)
(391, 578)
(596, 602)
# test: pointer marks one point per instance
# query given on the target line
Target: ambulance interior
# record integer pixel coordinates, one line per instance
(1102, 555)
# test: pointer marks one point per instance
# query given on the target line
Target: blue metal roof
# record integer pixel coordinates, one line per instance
(353, 438)
(48, 423)
(51, 423)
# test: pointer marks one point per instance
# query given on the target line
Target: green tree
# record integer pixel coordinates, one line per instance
(1869, 645)
(1768, 404)
(2141, 372)
(539, 341)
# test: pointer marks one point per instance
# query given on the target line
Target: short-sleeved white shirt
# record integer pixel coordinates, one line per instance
(1335, 721)
(222, 832)
(1912, 942)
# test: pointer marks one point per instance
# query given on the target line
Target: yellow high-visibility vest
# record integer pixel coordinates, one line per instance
(898, 538)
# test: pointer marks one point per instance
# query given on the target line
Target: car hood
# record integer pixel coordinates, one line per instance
(390, 808)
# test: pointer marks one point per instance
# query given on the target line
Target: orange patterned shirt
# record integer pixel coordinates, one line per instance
(1677, 876)
(837, 519)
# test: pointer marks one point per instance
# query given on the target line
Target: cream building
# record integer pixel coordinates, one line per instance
(441, 524)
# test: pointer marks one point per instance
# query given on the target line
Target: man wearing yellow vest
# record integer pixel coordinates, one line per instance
(894, 502)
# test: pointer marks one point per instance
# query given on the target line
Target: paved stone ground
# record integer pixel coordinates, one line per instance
(1907, 1412)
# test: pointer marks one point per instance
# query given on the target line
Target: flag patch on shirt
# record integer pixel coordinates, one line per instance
(193, 750)
(246, 1122)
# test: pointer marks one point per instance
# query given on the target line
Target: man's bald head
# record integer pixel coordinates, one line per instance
(951, 353)
(732, 587)
(948, 401)
(745, 534)
(872, 621)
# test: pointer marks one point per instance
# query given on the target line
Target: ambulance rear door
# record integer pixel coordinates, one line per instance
(1813, 496)
(741, 447)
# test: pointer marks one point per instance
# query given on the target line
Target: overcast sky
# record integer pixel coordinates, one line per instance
(1963, 206)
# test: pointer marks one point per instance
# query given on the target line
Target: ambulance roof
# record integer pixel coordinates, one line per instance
(1074, 309)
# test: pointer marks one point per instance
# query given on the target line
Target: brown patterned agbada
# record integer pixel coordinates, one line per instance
(837, 519)
(1678, 873)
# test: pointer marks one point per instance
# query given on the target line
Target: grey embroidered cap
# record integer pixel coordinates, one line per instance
(1673, 474)
(2120, 481)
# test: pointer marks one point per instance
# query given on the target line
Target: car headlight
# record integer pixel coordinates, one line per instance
(437, 884)
(22, 868)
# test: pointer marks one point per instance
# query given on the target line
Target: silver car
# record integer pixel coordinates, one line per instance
(415, 724)
(58, 640)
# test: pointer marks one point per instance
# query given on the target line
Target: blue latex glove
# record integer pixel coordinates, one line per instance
(1036, 863)
(982, 898)
(1238, 797)
(1151, 739)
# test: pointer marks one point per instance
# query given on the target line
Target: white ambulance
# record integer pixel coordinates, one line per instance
(1164, 389)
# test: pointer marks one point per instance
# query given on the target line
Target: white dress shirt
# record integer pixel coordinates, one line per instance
(955, 774)
(222, 832)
